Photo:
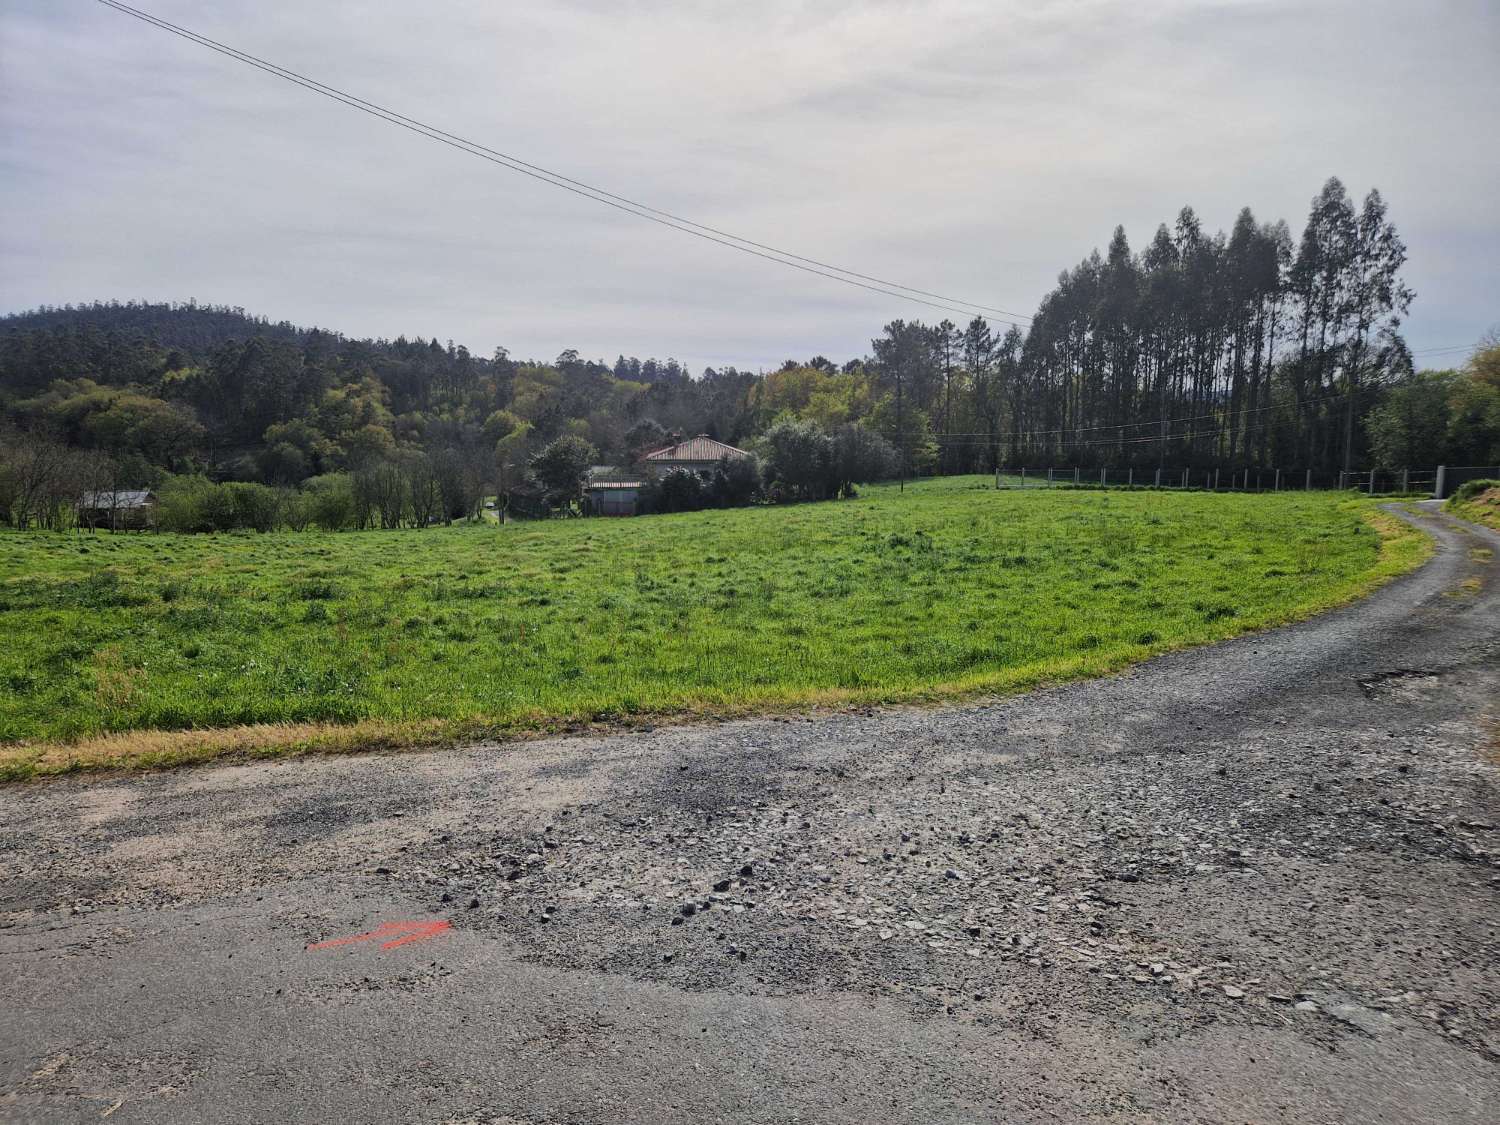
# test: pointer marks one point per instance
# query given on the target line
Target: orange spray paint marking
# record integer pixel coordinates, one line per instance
(409, 931)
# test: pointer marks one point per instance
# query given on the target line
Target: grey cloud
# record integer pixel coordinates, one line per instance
(966, 147)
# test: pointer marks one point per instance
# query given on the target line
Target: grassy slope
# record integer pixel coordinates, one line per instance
(291, 641)
(1483, 509)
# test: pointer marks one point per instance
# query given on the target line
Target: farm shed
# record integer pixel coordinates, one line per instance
(607, 493)
(117, 508)
(699, 455)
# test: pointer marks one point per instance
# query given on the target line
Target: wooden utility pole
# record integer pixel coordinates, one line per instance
(900, 429)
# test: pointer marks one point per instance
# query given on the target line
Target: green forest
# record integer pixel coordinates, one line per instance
(1251, 349)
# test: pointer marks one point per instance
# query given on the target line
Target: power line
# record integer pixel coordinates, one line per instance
(578, 187)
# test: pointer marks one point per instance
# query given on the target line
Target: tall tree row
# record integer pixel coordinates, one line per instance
(1201, 349)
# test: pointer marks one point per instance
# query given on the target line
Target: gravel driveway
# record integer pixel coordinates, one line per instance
(1252, 882)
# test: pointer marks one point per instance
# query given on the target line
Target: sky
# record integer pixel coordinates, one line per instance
(974, 149)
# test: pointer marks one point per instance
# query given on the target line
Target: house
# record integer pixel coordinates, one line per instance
(609, 492)
(118, 508)
(700, 455)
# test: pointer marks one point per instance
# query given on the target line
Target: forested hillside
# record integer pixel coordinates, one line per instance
(1254, 348)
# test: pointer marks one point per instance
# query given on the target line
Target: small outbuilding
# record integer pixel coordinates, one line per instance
(117, 509)
(607, 492)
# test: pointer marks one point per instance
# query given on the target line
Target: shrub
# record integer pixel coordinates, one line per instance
(187, 504)
(330, 501)
(295, 508)
(860, 456)
(196, 503)
(798, 458)
(1472, 488)
(678, 490)
(253, 506)
(736, 482)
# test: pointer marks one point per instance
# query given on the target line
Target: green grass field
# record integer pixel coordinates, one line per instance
(278, 642)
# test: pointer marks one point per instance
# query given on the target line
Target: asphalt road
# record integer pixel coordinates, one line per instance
(1253, 882)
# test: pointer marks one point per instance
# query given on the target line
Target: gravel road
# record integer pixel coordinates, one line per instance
(1252, 882)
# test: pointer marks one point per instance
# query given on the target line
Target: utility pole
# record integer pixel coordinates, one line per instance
(900, 428)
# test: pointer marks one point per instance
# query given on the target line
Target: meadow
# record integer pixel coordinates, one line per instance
(290, 641)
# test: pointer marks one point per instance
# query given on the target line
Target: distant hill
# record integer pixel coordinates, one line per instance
(189, 326)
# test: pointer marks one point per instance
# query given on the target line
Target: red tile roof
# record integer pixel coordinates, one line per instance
(700, 448)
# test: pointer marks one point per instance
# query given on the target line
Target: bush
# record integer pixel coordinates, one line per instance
(798, 458)
(187, 504)
(330, 501)
(295, 508)
(198, 504)
(254, 506)
(678, 491)
(736, 482)
(1472, 488)
(860, 456)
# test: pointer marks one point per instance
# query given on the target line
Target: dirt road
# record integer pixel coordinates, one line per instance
(1255, 882)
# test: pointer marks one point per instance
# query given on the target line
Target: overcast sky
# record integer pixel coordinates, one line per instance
(974, 149)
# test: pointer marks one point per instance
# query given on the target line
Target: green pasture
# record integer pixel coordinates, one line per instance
(948, 587)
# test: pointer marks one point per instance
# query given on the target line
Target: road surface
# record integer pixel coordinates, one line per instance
(1252, 882)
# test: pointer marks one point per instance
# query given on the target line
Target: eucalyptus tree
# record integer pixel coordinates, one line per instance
(986, 388)
(904, 366)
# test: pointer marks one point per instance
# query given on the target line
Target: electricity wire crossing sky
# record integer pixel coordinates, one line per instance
(500, 176)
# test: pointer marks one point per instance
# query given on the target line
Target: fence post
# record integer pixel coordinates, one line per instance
(1406, 479)
(1075, 474)
(1130, 478)
(1049, 476)
(1277, 486)
(1372, 482)
(1216, 478)
(1023, 476)
(1308, 486)
(1158, 477)
(1101, 477)
(1184, 478)
(1437, 485)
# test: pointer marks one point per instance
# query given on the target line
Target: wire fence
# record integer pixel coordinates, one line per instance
(1437, 482)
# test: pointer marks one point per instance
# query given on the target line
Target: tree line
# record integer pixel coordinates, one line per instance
(1255, 348)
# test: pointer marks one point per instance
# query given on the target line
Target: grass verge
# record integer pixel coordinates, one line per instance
(1483, 508)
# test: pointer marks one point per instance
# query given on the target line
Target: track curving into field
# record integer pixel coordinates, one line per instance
(1255, 881)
